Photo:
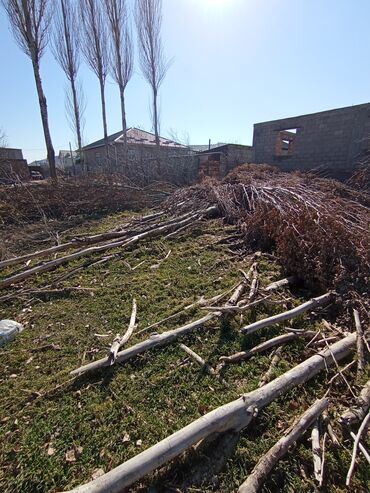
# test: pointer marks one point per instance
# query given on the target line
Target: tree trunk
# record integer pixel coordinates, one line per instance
(124, 123)
(104, 116)
(156, 130)
(45, 120)
(77, 121)
(155, 116)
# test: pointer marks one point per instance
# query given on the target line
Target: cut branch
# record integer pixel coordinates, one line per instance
(361, 447)
(357, 413)
(235, 416)
(198, 359)
(280, 284)
(51, 265)
(316, 453)
(120, 341)
(362, 428)
(294, 312)
(264, 466)
(154, 341)
(274, 362)
(264, 346)
(360, 344)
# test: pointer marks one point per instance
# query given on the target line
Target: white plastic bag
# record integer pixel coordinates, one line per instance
(9, 330)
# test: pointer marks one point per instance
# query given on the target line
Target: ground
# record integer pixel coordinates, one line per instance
(57, 432)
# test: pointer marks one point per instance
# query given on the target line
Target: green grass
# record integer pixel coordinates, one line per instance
(153, 395)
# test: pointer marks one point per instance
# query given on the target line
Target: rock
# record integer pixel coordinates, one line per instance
(9, 330)
(97, 473)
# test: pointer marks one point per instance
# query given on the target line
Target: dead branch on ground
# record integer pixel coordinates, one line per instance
(362, 428)
(198, 359)
(294, 312)
(358, 412)
(120, 341)
(276, 357)
(264, 346)
(316, 452)
(264, 466)
(235, 416)
(360, 344)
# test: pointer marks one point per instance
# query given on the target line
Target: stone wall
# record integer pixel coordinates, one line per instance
(332, 140)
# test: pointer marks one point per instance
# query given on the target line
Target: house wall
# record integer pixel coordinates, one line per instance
(236, 155)
(14, 169)
(177, 165)
(12, 164)
(8, 153)
(217, 163)
(331, 139)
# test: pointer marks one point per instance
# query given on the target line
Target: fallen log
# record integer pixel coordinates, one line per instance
(264, 346)
(40, 253)
(356, 414)
(77, 241)
(154, 340)
(294, 312)
(234, 416)
(261, 470)
(120, 341)
(51, 265)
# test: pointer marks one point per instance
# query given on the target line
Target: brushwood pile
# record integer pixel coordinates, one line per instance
(317, 228)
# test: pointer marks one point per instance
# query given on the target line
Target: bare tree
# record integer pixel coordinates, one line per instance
(3, 138)
(65, 47)
(121, 53)
(95, 49)
(76, 102)
(30, 22)
(154, 66)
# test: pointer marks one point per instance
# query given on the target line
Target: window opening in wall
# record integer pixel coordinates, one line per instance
(285, 141)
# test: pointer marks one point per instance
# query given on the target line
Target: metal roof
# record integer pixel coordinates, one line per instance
(138, 137)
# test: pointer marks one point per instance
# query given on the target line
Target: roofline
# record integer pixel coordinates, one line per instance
(313, 114)
(93, 145)
(11, 148)
(215, 149)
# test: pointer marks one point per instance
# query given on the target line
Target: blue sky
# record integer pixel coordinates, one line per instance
(236, 62)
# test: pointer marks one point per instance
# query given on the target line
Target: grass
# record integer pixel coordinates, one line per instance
(117, 412)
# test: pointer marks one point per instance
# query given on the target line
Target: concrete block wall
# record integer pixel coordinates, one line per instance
(331, 139)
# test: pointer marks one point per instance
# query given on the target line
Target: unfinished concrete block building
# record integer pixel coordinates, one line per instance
(332, 142)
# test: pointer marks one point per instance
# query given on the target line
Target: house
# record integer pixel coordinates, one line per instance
(217, 161)
(12, 165)
(174, 162)
(332, 142)
(66, 161)
(41, 166)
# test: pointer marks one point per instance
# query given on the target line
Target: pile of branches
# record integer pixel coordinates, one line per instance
(318, 228)
(27, 202)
